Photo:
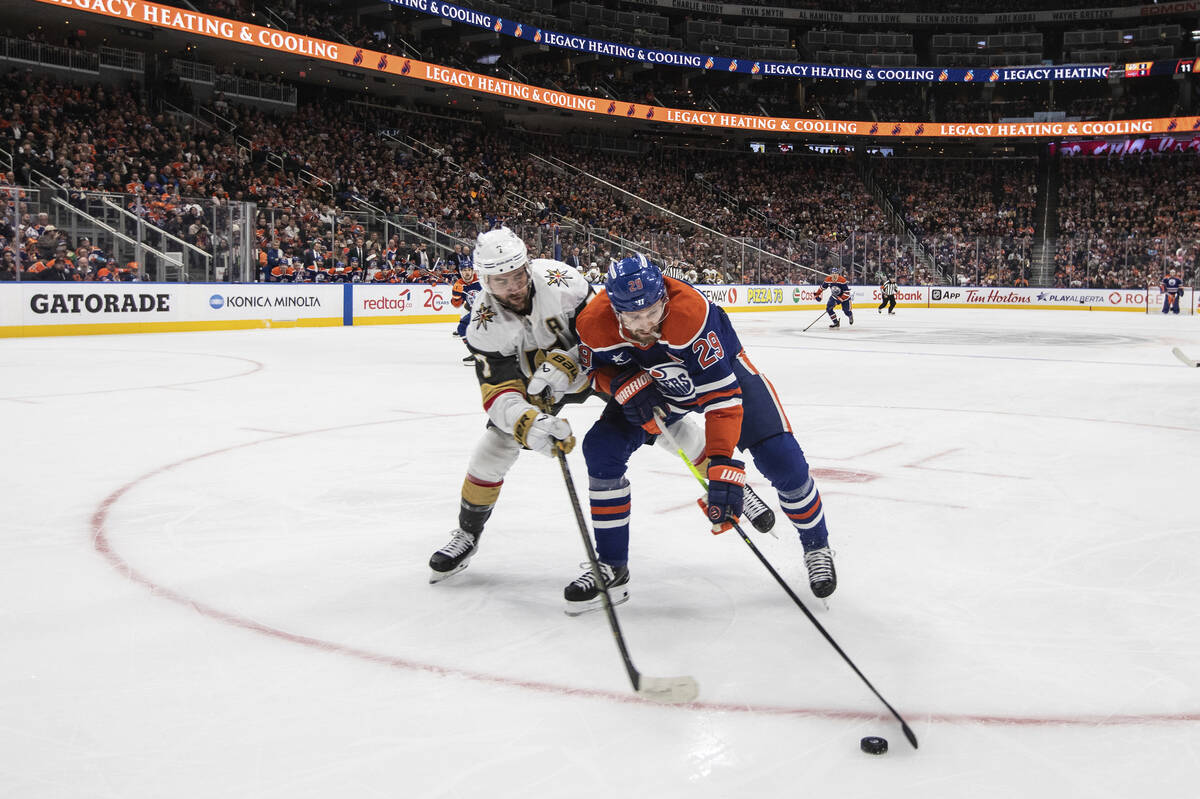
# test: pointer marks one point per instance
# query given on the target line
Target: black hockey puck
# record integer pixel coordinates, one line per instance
(873, 745)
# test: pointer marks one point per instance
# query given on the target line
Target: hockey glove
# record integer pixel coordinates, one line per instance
(560, 373)
(639, 396)
(543, 433)
(726, 488)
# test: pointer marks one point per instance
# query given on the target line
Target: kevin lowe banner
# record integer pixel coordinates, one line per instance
(295, 44)
(789, 69)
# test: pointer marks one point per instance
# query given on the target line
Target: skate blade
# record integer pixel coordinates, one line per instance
(437, 577)
(616, 595)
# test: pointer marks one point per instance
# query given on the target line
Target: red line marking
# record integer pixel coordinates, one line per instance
(916, 465)
(100, 542)
(861, 454)
(931, 457)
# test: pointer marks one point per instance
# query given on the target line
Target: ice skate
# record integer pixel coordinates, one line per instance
(822, 577)
(836, 323)
(469, 360)
(757, 511)
(454, 557)
(582, 594)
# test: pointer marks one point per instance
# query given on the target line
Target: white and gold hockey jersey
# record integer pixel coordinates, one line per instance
(508, 347)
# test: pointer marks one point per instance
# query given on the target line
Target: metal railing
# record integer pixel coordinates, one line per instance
(256, 89)
(714, 238)
(37, 53)
(127, 60)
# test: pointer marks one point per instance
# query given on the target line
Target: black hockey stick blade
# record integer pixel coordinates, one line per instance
(668, 690)
(1178, 353)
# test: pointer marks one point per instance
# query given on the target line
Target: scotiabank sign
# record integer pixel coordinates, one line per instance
(256, 36)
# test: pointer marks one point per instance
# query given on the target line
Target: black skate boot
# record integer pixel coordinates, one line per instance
(454, 557)
(822, 577)
(836, 323)
(757, 511)
(583, 595)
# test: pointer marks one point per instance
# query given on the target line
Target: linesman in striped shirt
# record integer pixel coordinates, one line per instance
(888, 289)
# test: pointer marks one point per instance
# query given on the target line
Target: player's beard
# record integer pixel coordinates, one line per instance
(642, 338)
(525, 309)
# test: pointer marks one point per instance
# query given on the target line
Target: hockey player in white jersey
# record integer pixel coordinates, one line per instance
(522, 334)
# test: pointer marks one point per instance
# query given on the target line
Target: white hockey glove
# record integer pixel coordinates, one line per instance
(560, 373)
(543, 433)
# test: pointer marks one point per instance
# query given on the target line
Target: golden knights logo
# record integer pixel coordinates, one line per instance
(483, 315)
(557, 277)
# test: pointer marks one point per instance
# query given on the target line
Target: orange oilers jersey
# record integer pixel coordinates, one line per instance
(691, 363)
(839, 289)
(463, 293)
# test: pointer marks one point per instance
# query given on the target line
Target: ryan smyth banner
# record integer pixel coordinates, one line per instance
(256, 36)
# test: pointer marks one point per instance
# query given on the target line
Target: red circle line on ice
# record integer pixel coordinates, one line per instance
(102, 545)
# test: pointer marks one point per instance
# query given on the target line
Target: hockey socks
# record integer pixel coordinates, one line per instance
(610, 501)
(803, 507)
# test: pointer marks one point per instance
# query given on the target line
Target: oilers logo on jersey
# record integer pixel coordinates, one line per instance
(673, 381)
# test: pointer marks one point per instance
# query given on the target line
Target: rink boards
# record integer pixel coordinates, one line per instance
(73, 309)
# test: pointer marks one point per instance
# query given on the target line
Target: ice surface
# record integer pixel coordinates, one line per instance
(213, 575)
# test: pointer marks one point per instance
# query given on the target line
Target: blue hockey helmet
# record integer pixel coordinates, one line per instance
(634, 283)
(835, 270)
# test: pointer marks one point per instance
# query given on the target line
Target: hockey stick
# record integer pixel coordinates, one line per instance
(670, 690)
(813, 322)
(1178, 353)
(908, 733)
